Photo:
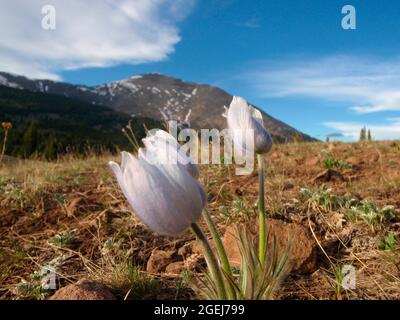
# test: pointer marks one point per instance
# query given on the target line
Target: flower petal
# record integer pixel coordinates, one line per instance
(243, 117)
(165, 197)
(162, 148)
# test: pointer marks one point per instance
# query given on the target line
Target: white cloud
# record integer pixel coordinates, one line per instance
(387, 131)
(90, 33)
(365, 84)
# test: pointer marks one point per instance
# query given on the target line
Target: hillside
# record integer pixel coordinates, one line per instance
(62, 124)
(158, 97)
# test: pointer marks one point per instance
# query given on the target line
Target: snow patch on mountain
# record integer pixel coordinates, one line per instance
(155, 90)
(186, 95)
(5, 82)
(187, 116)
(131, 87)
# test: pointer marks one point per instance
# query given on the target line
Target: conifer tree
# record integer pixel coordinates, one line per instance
(30, 140)
(363, 134)
(50, 152)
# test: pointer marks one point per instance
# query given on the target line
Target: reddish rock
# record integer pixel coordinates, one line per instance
(331, 146)
(175, 267)
(312, 162)
(353, 160)
(159, 260)
(83, 290)
(303, 253)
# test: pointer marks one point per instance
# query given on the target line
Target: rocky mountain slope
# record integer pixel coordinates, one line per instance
(155, 96)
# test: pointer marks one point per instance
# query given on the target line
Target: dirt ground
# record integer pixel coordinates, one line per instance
(71, 215)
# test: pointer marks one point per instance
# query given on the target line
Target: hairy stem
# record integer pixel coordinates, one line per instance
(211, 261)
(261, 208)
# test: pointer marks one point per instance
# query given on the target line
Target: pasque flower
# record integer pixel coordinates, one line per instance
(165, 196)
(162, 148)
(242, 117)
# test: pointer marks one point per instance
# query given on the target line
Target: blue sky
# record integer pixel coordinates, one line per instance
(289, 57)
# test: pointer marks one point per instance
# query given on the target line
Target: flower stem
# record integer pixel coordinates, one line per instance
(261, 208)
(221, 252)
(4, 145)
(211, 261)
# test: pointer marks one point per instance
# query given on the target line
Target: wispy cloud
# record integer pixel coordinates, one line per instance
(252, 23)
(90, 33)
(366, 85)
(335, 135)
(387, 131)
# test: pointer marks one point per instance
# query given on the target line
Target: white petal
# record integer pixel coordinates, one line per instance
(162, 148)
(124, 159)
(140, 184)
(238, 114)
(203, 195)
(242, 117)
(165, 197)
(117, 170)
(186, 193)
(257, 115)
(262, 139)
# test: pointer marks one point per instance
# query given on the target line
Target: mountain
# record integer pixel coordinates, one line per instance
(49, 124)
(155, 96)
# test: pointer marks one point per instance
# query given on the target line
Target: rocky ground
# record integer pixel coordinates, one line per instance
(338, 203)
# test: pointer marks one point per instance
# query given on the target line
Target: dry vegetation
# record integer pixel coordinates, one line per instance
(71, 214)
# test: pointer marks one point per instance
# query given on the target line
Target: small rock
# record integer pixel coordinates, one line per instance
(303, 253)
(158, 261)
(331, 146)
(288, 186)
(83, 290)
(175, 267)
(353, 160)
(329, 175)
(312, 162)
